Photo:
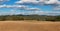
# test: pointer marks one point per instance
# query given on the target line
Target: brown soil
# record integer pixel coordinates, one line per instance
(29, 26)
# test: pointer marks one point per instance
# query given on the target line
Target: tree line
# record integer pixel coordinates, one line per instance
(29, 17)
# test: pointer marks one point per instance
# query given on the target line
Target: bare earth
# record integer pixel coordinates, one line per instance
(29, 26)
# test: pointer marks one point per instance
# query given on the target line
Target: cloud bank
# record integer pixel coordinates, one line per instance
(54, 3)
(21, 6)
(38, 2)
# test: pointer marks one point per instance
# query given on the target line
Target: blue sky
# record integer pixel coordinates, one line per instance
(30, 6)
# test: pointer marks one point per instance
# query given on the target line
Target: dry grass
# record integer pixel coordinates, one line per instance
(29, 26)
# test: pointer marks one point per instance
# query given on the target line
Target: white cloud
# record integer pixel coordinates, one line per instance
(33, 9)
(53, 14)
(28, 0)
(4, 0)
(21, 7)
(12, 6)
(51, 2)
(56, 8)
(38, 2)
